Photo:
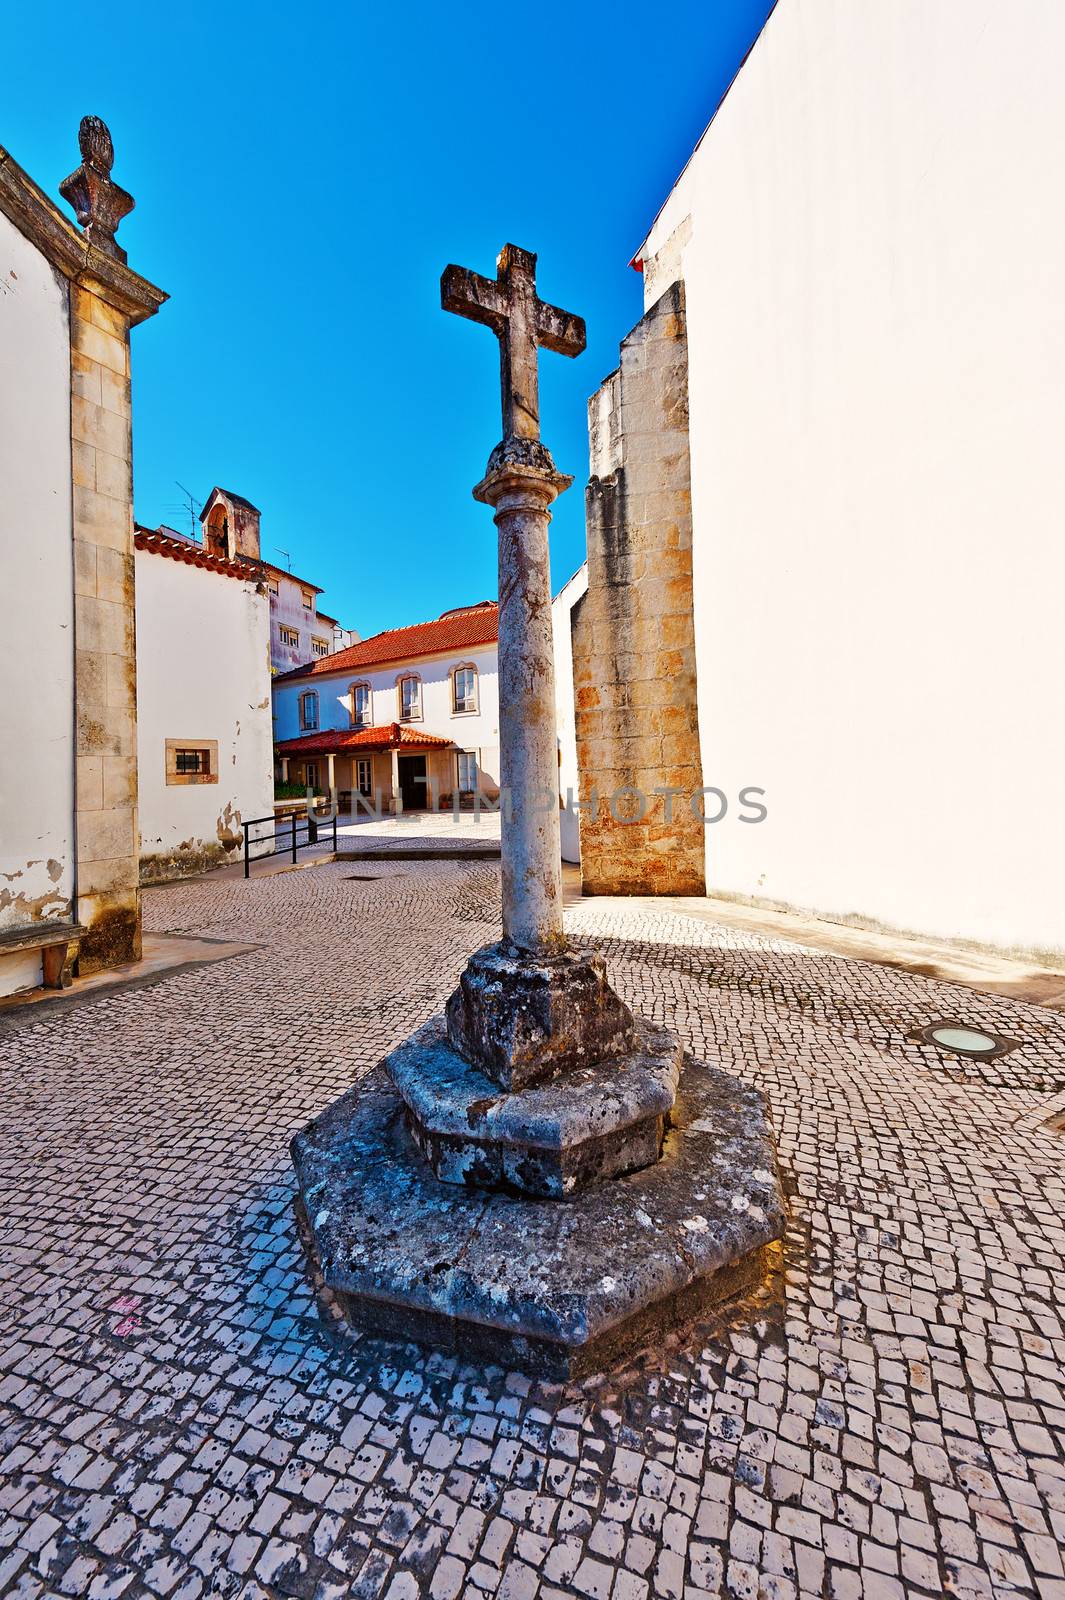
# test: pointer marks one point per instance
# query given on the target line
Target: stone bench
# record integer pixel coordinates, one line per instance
(58, 943)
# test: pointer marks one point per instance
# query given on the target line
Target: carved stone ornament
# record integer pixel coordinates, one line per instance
(98, 202)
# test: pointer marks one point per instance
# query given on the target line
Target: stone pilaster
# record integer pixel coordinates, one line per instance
(633, 632)
(108, 903)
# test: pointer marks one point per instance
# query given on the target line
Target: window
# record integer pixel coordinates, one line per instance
(191, 761)
(364, 774)
(360, 705)
(309, 711)
(289, 636)
(320, 646)
(410, 698)
(464, 689)
(308, 600)
(272, 585)
(466, 763)
(311, 771)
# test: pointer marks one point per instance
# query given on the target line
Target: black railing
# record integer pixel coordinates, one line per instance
(285, 837)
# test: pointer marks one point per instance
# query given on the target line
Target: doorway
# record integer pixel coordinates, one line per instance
(413, 783)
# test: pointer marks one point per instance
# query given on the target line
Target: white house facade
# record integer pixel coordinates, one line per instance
(299, 631)
(406, 720)
(204, 738)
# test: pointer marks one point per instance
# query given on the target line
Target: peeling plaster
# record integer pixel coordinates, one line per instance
(228, 828)
(32, 908)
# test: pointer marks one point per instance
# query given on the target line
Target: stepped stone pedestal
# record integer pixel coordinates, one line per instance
(556, 1286)
(554, 1226)
(536, 1177)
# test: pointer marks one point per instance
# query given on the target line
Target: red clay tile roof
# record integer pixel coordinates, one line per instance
(393, 735)
(455, 630)
(193, 555)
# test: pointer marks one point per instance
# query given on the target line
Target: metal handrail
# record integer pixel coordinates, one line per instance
(293, 845)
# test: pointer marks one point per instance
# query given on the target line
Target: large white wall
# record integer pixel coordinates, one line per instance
(203, 673)
(37, 583)
(877, 342)
(568, 775)
(477, 730)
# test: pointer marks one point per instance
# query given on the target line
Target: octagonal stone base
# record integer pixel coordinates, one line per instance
(578, 1128)
(557, 1288)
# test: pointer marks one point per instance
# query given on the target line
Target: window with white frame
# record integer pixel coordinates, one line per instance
(410, 698)
(308, 599)
(309, 711)
(360, 705)
(319, 646)
(466, 773)
(289, 636)
(364, 775)
(464, 689)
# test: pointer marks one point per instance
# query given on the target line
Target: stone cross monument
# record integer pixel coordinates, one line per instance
(527, 1003)
(538, 1175)
(521, 482)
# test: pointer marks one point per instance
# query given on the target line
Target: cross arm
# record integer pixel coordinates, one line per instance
(559, 330)
(469, 295)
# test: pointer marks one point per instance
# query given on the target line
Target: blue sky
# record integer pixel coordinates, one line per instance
(302, 176)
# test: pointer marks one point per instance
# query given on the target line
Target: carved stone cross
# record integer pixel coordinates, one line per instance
(521, 322)
(520, 483)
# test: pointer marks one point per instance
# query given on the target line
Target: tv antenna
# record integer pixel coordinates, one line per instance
(287, 555)
(192, 506)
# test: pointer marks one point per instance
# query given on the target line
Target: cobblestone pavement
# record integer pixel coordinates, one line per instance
(886, 1419)
(477, 829)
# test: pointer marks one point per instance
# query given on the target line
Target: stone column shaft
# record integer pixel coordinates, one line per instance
(528, 748)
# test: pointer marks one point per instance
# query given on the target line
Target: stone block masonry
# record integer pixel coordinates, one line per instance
(105, 664)
(633, 632)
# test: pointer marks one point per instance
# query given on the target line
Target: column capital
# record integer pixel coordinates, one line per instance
(521, 471)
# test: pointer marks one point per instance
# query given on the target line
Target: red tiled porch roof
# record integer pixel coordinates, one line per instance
(334, 741)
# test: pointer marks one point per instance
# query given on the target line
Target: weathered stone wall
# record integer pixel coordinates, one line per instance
(633, 635)
(108, 903)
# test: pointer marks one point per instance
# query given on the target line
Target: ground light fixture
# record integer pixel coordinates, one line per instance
(962, 1038)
